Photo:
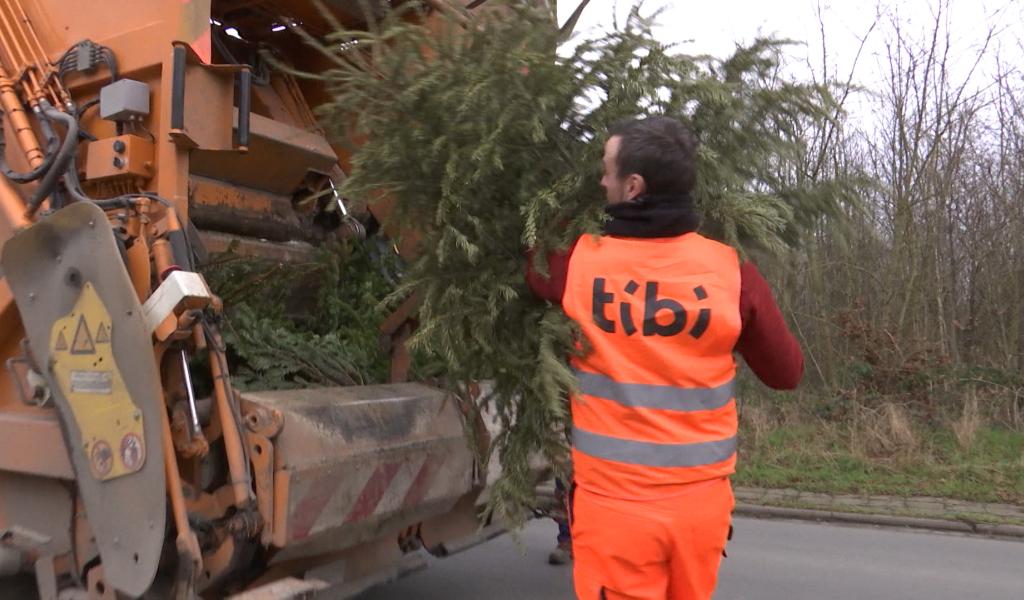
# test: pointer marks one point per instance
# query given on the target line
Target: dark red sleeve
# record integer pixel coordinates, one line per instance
(550, 288)
(766, 343)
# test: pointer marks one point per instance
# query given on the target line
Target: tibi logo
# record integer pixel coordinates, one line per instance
(653, 305)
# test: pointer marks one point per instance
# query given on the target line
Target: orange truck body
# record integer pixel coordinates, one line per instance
(115, 481)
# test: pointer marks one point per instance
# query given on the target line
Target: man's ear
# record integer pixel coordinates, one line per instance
(635, 186)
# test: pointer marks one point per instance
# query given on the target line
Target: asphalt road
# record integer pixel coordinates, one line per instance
(768, 560)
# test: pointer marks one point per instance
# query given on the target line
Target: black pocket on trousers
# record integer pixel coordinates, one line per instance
(570, 504)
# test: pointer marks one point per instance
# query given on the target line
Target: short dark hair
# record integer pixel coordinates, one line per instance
(661, 150)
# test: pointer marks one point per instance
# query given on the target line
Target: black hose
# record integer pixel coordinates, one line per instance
(74, 189)
(65, 156)
(181, 245)
(81, 109)
(68, 61)
(52, 144)
(108, 56)
(79, 112)
(58, 199)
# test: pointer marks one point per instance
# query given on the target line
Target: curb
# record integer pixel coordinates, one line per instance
(1015, 532)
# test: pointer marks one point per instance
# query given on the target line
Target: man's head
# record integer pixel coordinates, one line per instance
(656, 155)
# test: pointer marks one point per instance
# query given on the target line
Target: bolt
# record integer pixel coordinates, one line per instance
(92, 223)
(118, 162)
(119, 146)
(137, 415)
(31, 295)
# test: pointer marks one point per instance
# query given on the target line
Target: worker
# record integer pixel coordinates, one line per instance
(562, 553)
(654, 424)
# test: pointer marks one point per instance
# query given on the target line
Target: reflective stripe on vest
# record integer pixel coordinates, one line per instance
(650, 454)
(645, 395)
(656, 406)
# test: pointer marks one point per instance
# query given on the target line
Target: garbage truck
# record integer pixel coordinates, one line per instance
(138, 137)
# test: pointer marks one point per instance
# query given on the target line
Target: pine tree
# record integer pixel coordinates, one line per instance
(313, 323)
(491, 144)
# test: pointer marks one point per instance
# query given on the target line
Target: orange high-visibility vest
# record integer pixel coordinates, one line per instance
(656, 407)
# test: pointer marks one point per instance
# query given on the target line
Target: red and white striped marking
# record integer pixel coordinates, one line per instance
(389, 487)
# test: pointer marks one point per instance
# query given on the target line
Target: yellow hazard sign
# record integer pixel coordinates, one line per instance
(88, 376)
(82, 343)
(102, 334)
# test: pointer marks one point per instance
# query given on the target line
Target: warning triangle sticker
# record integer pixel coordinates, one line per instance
(82, 344)
(103, 334)
(62, 343)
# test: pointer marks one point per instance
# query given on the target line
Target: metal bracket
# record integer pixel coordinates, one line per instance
(181, 290)
(46, 578)
(22, 538)
(218, 88)
(30, 383)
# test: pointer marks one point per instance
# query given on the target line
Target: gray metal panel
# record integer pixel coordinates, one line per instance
(38, 505)
(127, 513)
(365, 460)
(279, 157)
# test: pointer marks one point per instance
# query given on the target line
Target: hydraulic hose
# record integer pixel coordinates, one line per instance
(64, 169)
(65, 157)
(74, 188)
(52, 144)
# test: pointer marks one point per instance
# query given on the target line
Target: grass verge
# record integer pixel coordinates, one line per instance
(852, 458)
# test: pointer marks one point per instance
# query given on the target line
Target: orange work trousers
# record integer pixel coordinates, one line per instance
(666, 549)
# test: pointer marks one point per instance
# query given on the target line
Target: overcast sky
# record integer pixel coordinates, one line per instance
(715, 26)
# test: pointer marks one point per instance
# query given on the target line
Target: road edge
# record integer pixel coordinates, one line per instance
(1015, 532)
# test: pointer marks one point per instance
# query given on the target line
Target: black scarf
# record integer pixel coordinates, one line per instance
(651, 216)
